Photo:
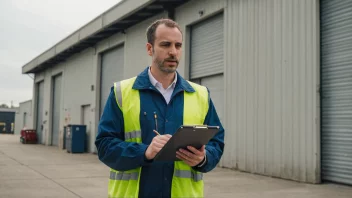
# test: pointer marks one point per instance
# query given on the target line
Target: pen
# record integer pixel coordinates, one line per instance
(156, 121)
(156, 132)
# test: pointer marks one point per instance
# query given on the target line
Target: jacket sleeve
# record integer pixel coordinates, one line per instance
(215, 147)
(112, 149)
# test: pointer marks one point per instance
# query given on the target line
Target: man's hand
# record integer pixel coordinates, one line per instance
(192, 159)
(158, 142)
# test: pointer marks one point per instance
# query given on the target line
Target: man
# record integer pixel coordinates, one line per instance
(157, 99)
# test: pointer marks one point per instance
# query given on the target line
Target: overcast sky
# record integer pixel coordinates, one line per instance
(28, 28)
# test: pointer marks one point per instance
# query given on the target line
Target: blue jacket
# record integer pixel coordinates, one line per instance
(156, 177)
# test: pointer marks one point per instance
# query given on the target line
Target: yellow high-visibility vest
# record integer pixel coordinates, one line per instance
(186, 182)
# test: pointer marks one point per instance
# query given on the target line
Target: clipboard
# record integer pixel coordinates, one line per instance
(186, 135)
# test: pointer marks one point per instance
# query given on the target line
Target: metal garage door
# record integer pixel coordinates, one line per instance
(112, 63)
(215, 84)
(40, 102)
(336, 71)
(56, 109)
(207, 58)
(207, 43)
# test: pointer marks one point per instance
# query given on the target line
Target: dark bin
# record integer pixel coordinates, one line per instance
(76, 138)
(64, 146)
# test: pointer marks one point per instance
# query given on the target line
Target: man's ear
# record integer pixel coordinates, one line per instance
(149, 49)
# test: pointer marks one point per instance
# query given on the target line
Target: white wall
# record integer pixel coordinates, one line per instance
(136, 57)
(77, 89)
(78, 76)
(24, 107)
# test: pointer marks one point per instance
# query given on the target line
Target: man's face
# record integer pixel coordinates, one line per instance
(167, 48)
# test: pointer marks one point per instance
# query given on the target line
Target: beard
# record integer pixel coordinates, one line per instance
(162, 65)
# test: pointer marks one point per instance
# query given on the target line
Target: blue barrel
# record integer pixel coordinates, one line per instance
(76, 138)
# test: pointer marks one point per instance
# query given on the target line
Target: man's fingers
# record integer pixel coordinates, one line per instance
(182, 156)
(187, 155)
(156, 150)
(164, 137)
(185, 159)
(196, 151)
(163, 142)
(190, 154)
(168, 136)
(158, 145)
(202, 148)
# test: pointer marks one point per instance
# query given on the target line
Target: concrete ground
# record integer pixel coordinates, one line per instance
(35, 171)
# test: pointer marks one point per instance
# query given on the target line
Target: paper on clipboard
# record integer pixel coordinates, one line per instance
(186, 135)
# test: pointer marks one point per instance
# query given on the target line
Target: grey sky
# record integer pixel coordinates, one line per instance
(28, 28)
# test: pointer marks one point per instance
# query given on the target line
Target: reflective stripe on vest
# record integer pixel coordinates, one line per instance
(189, 174)
(123, 176)
(186, 182)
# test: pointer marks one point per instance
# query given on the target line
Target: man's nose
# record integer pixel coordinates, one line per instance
(172, 51)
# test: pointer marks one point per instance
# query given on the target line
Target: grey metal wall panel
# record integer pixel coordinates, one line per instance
(136, 57)
(207, 47)
(24, 117)
(112, 64)
(271, 80)
(82, 66)
(40, 104)
(86, 114)
(56, 109)
(215, 84)
(336, 47)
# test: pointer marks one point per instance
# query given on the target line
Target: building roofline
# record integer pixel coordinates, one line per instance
(8, 110)
(30, 100)
(116, 19)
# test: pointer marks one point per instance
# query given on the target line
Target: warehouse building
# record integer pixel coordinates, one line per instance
(7, 120)
(23, 116)
(279, 73)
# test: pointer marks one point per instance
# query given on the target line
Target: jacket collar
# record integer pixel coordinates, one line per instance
(143, 82)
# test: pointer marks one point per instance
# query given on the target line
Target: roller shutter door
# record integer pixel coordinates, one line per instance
(336, 78)
(112, 64)
(56, 110)
(40, 103)
(207, 43)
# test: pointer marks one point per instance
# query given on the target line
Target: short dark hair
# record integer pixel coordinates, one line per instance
(152, 28)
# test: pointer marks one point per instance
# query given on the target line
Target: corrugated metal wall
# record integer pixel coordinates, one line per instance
(271, 78)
